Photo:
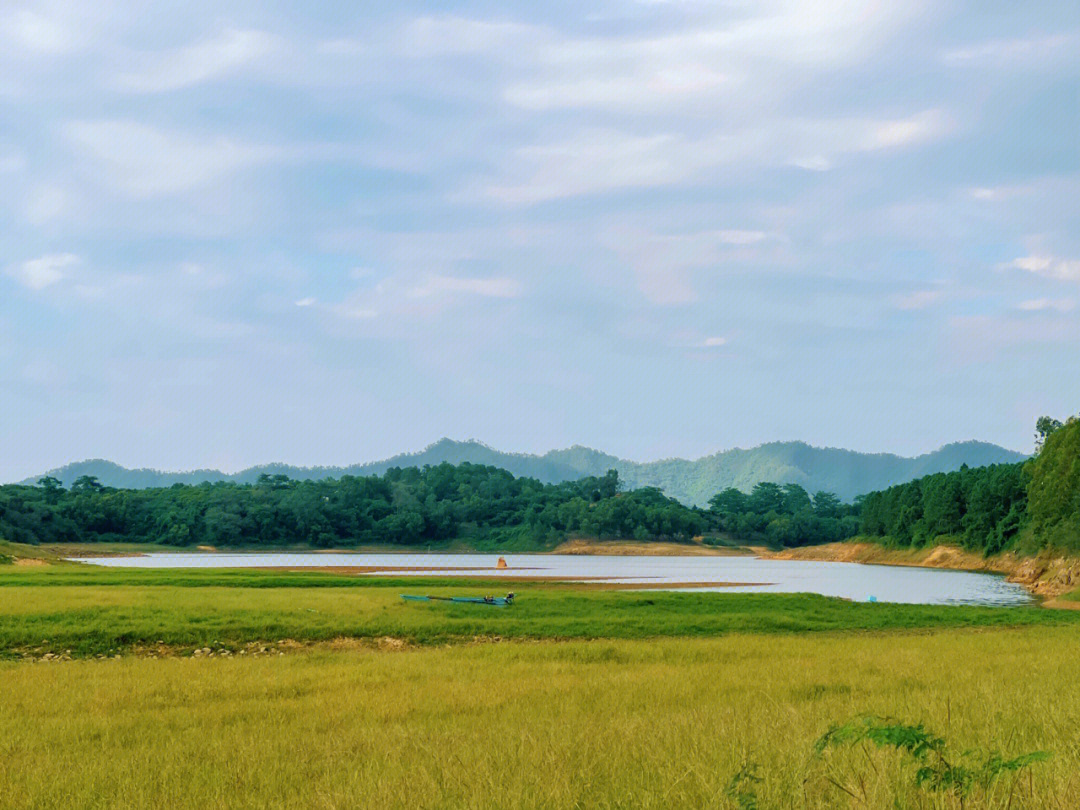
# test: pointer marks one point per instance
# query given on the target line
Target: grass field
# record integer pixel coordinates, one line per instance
(94, 611)
(658, 723)
(590, 698)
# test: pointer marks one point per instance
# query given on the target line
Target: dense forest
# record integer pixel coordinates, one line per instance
(783, 515)
(984, 507)
(1027, 506)
(407, 506)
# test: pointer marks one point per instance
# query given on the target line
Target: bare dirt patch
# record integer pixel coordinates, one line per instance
(626, 548)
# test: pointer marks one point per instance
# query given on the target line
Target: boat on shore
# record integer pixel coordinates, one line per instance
(497, 601)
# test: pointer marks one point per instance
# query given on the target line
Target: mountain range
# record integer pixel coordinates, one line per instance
(846, 472)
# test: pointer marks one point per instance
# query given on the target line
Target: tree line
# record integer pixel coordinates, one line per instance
(411, 506)
(406, 506)
(1026, 506)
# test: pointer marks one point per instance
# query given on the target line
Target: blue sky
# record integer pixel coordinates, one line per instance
(320, 233)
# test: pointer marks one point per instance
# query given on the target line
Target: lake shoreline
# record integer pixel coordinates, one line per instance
(1047, 576)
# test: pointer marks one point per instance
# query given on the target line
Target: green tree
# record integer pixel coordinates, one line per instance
(826, 505)
(53, 488)
(86, 483)
(1045, 426)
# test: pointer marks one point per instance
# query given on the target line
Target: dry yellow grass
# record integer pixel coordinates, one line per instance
(662, 723)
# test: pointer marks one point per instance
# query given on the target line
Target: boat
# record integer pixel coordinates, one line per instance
(497, 601)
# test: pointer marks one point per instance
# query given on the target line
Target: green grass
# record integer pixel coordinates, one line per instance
(593, 697)
(633, 723)
(18, 551)
(97, 611)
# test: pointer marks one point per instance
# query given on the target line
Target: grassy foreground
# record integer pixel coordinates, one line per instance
(592, 698)
(661, 723)
(88, 611)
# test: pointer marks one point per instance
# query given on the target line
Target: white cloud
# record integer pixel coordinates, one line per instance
(484, 287)
(445, 36)
(199, 62)
(36, 30)
(999, 193)
(603, 160)
(1047, 304)
(1049, 267)
(663, 262)
(729, 60)
(920, 299)
(741, 237)
(45, 203)
(12, 162)
(598, 161)
(1010, 52)
(981, 338)
(655, 88)
(356, 311)
(37, 274)
(812, 163)
(142, 161)
(665, 286)
(342, 46)
(305, 302)
(919, 128)
(52, 28)
(402, 298)
(714, 342)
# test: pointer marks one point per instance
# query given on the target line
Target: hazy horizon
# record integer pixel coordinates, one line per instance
(244, 235)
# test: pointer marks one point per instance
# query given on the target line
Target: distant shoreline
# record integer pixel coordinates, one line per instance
(1047, 575)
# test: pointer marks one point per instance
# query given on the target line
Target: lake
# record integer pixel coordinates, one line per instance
(848, 580)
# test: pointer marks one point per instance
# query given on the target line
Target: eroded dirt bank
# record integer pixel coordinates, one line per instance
(621, 548)
(1047, 575)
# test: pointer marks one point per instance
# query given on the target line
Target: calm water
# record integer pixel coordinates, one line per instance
(849, 580)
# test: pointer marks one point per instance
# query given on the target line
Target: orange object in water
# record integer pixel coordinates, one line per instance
(501, 564)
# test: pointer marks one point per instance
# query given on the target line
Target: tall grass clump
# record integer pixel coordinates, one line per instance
(936, 768)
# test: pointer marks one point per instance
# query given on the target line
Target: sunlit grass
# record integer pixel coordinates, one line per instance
(593, 698)
(646, 723)
(75, 610)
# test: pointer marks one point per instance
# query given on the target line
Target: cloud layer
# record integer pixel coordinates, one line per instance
(240, 234)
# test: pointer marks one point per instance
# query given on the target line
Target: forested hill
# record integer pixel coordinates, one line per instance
(1023, 507)
(845, 472)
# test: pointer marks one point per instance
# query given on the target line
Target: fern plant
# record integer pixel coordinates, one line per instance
(937, 768)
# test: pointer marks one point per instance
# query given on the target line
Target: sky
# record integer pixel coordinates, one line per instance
(328, 232)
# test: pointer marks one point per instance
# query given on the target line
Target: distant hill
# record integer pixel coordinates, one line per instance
(845, 472)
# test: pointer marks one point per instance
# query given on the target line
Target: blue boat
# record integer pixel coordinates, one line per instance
(497, 601)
